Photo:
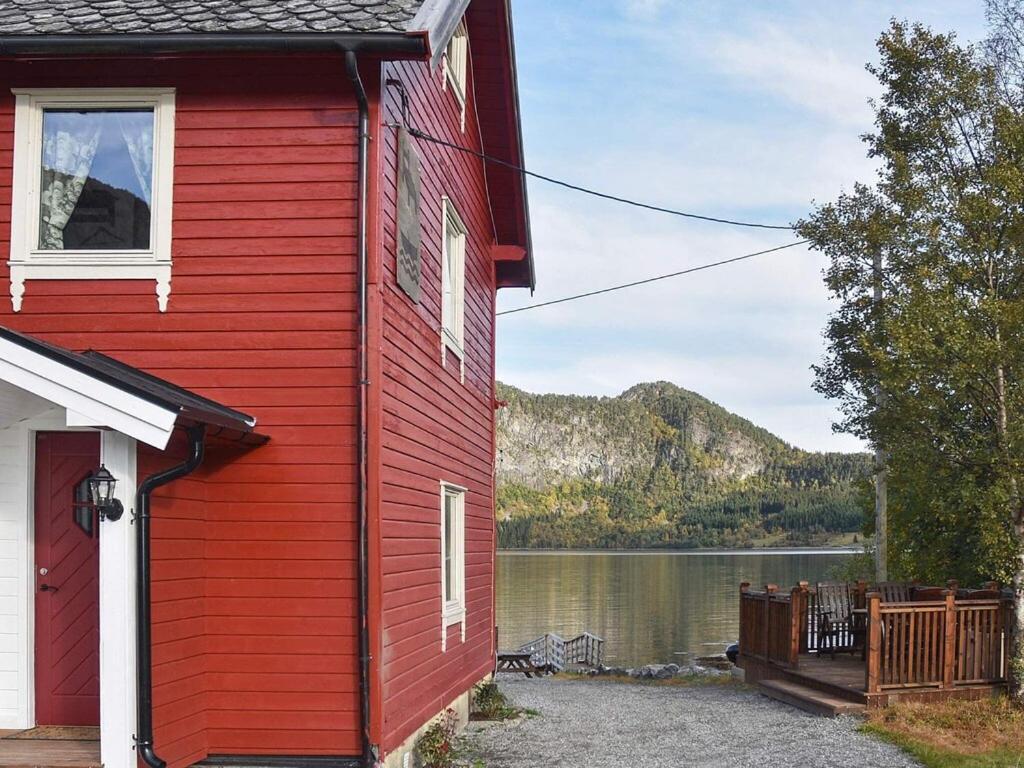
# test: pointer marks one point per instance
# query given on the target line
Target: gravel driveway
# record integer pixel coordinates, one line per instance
(600, 724)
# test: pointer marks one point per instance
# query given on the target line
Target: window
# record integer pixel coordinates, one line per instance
(456, 66)
(92, 186)
(453, 559)
(453, 282)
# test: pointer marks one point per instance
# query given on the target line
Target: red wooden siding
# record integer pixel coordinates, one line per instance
(179, 608)
(432, 426)
(254, 559)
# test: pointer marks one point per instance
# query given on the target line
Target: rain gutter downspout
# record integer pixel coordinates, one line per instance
(144, 650)
(369, 750)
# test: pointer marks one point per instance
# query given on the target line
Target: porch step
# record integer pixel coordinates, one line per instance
(808, 699)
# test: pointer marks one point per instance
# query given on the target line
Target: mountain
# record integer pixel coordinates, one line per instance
(660, 466)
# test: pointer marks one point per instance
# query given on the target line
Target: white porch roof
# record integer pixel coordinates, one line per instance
(98, 391)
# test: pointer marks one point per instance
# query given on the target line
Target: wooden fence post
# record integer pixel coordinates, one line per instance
(860, 594)
(805, 617)
(744, 639)
(1004, 643)
(797, 613)
(769, 590)
(949, 638)
(873, 668)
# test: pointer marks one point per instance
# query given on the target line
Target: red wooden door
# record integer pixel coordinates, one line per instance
(67, 667)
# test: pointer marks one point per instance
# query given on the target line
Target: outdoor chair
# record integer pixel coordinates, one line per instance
(895, 591)
(839, 621)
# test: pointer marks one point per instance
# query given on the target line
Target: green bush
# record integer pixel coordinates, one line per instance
(436, 747)
(489, 703)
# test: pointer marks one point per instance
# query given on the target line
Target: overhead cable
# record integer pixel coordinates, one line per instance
(691, 270)
(577, 188)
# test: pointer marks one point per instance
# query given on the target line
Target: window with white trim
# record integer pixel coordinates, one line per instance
(453, 281)
(456, 66)
(93, 172)
(453, 559)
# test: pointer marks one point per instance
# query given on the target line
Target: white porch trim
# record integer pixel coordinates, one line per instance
(87, 399)
(116, 586)
(118, 683)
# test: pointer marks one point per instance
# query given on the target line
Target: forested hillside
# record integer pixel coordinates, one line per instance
(659, 466)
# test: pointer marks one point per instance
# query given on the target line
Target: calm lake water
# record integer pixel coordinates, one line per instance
(649, 607)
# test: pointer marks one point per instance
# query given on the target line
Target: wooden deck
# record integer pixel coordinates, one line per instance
(916, 650)
(47, 753)
(845, 672)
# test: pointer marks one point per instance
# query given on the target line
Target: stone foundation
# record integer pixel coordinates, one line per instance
(404, 756)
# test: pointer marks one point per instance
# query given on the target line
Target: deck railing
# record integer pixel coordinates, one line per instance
(942, 644)
(770, 624)
(915, 644)
(554, 653)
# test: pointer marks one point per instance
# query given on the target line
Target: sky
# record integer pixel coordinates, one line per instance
(738, 110)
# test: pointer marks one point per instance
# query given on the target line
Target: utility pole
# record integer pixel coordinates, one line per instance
(881, 474)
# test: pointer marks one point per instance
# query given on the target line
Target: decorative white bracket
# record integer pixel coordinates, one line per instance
(91, 270)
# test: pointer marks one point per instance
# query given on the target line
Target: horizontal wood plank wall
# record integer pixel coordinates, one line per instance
(179, 607)
(434, 426)
(261, 317)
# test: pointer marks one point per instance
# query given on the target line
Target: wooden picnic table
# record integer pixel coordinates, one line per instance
(518, 661)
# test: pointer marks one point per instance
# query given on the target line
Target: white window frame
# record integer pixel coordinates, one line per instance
(27, 261)
(453, 329)
(453, 611)
(456, 67)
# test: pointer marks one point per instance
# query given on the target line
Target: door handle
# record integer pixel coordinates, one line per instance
(48, 588)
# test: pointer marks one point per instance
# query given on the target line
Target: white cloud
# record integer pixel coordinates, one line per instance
(644, 9)
(805, 67)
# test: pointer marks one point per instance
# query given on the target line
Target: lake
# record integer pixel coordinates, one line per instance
(650, 607)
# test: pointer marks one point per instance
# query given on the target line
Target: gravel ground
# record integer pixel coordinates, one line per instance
(600, 724)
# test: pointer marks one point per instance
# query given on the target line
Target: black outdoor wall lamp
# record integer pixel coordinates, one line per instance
(101, 493)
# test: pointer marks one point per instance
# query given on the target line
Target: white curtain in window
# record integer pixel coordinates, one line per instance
(140, 149)
(68, 152)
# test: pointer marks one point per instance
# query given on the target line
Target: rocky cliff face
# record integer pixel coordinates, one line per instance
(547, 439)
(660, 466)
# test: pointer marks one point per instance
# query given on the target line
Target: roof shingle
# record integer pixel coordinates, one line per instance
(81, 17)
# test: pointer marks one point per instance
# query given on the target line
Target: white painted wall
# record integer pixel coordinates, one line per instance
(16, 564)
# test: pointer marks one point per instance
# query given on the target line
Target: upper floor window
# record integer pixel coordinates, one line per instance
(453, 281)
(96, 179)
(92, 186)
(456, 66)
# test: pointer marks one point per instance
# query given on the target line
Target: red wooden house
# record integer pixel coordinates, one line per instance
(265, 307)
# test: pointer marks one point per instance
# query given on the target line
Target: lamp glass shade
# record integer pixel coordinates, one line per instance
(101, 486)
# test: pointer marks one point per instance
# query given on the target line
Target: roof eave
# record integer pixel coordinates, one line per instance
(437, 20)
(407, 45)
(530, 280)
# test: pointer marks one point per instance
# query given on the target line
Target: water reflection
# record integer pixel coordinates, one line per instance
(649, 607)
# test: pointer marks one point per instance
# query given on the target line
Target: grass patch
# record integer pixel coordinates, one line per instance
(489, 703)
(988, 733)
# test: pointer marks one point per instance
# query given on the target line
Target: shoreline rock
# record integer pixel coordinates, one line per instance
(660, 671)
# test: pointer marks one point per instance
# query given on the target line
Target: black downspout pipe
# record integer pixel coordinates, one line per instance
(369, 752)
(144, 651)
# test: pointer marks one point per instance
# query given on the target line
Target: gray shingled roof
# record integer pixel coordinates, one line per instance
(69, 17)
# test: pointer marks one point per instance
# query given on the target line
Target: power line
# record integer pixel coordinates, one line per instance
(700, 268)
(575, 187)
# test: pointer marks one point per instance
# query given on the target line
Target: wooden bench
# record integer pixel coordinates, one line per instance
(518, 661)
